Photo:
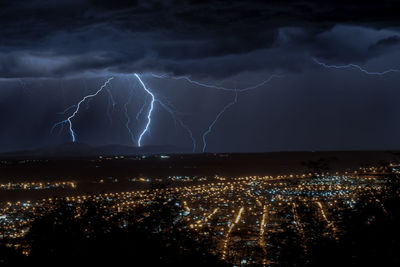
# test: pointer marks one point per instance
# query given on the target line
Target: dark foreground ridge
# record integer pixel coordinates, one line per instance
(85, 165)
(80, 150)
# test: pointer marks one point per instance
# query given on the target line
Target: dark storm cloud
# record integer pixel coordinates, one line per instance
(386, 43)
(216, 38)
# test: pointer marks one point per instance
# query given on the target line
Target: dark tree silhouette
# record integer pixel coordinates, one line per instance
(148, 236)
(372, 235)
(318, 166)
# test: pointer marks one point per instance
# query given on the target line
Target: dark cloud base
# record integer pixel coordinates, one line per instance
(62, 38)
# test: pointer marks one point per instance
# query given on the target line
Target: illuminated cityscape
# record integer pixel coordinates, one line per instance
(241, 217)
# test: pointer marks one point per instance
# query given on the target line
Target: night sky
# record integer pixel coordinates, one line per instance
(53, 53)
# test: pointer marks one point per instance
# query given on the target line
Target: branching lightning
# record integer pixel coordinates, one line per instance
(86, 90)
(146, 129)
(149, 114)
(128, 118)
(219, 87)
(154, 99)
(142, 108)
(66, 110)
(355, 67)
(76, 110)
(212, 86)
(216, 119)
(190, 134)
(183, 125)
(111, 105)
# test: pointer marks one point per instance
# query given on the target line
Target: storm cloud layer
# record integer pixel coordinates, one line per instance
(201, 38)
(54, 52)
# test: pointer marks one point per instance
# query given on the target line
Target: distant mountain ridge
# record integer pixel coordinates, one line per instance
(84, 150)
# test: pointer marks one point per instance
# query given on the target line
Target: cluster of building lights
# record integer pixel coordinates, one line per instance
(234, 212)
(37, 185)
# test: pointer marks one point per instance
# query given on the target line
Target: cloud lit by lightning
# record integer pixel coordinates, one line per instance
(76, 110)
(355, 67)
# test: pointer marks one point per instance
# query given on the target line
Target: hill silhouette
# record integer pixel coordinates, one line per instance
(84, 150)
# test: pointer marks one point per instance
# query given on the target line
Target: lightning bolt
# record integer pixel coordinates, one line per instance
(355, 67)
(76, 110)
(216, 119)
(187, 78)
(111, 104)
(142, 108)
(66, 110)
(212, 86)
(128, 119)
(183, 125)
(146, 128)
(86, 90)
(190, 134)
(149, 114)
